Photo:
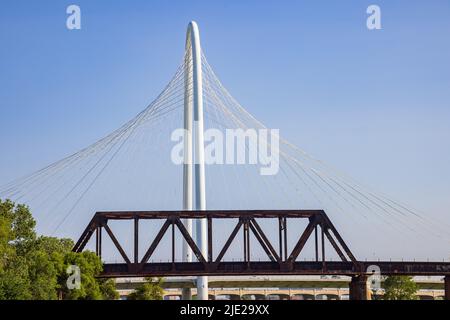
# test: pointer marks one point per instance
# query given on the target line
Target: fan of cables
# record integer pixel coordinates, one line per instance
(131, 169)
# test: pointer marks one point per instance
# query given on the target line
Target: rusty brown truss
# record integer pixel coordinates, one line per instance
(279, 262)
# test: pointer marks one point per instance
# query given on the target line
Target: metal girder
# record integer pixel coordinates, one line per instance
(216, 214)
(278, 264)
(228, 268)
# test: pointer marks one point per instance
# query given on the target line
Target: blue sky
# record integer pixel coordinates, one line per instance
(375, 104)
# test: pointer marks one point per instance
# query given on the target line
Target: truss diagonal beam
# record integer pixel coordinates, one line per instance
(117, 244)
(189, 240)
(86, 235)
(335, 246)
(265, 243)
(339, 238)
(156, 241)
(302, 241)
(229, 241)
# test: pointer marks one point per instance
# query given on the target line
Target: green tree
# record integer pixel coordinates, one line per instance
(14, 281)
(91, 287)
(29, 267)
(16, 228)
(90, 266)
(399, 288)
(33, 267)
(42, 273)
(5, 235)
(108, 289)
(151, 289)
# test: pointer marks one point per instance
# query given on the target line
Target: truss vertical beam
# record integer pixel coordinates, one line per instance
(136, 240)
(323, 243)
(97, 241)
(285, 238)
(316, 243)
(100, 242)
(280, 236)
(210, 240)
(173, 244)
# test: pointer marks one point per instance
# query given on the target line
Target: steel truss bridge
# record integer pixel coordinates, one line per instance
(280, 260)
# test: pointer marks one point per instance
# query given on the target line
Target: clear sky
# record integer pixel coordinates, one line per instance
(375, 104)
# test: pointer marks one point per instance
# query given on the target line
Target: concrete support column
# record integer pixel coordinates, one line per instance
(447, 287)
(358, 288)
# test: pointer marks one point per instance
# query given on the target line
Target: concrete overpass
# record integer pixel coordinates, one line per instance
(277, 287)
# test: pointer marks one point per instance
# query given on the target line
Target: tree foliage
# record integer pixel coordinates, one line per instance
(150, 290)
(400, 288)
(35, 267)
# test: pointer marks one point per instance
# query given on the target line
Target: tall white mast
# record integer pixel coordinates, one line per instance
(194, 49)
(187, 164)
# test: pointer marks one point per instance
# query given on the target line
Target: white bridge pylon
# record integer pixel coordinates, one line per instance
(193, 120)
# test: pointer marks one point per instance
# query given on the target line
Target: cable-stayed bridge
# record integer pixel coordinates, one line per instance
(129, 178)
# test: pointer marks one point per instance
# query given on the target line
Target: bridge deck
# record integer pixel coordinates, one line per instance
(273, 268)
